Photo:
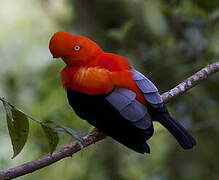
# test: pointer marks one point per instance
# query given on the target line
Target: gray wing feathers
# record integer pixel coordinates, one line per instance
(124, 101)
(134, 111)
(153, 98)
(120, 98)
(149, 90)
(144, 83)
(144, 123)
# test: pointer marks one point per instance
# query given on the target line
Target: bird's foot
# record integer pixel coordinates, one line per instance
(94, 130)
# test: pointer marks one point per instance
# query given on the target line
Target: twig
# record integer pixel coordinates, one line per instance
(191, 81)
(65, 151)
(94, 137)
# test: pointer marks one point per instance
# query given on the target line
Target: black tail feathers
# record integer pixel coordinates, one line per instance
(177, 130)
(140, 148)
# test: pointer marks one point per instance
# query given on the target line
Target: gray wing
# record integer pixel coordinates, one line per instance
(123, 100)
(149, 90)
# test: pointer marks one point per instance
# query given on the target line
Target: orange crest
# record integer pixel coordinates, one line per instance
(73, 49)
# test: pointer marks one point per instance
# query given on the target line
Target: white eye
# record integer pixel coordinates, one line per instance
(77, 48)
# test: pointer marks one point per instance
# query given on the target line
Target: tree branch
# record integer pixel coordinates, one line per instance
(190, 82)
(96, 136)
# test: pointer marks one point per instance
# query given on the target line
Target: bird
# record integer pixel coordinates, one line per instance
(106, 91)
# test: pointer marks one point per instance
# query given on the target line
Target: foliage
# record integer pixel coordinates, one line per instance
(18, 127)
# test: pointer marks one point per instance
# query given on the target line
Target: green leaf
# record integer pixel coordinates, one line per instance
(18, 127)
(52, 137)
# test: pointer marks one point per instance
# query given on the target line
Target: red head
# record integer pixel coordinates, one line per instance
(73, 49)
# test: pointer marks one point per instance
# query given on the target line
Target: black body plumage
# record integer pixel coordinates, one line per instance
(100, 113)
(120, 116)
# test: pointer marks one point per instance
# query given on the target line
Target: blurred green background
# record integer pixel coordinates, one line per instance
(168, 40)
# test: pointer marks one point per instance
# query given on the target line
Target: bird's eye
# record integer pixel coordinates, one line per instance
(77, 48)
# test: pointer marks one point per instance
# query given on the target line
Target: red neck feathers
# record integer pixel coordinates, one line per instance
(100, 76)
